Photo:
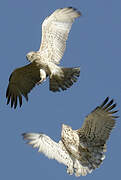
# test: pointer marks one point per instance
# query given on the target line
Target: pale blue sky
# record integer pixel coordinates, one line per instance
(94, 44)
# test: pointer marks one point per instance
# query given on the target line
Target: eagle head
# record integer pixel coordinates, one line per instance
(31, 56)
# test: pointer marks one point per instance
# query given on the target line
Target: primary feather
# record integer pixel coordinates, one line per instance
(81, 150)
(43, 63)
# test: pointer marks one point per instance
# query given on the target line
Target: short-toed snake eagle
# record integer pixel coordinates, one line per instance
(81, 150)
(44, 62)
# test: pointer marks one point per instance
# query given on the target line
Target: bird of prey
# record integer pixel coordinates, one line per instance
(81, 150)
(44, 62)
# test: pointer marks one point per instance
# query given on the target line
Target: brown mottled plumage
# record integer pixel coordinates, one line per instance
(81, 150)
(44, 62)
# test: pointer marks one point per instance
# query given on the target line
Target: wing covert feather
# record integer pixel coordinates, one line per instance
(99, 123)
(48, 147)
(95, 132)
(55, 30)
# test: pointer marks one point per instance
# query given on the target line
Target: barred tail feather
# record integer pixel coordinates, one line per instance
(65, 79)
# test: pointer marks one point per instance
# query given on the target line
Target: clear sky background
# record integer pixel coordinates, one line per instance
(94, 44)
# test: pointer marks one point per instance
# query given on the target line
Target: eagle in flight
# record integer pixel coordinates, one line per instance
(44, 62)
(81, 150)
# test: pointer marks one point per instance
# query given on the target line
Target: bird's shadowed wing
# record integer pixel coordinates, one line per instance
(48, 147)
(21, 82)
(99, 123)
(95, 131)
(55, 30)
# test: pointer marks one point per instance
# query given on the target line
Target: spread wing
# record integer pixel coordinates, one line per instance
(55, 30)
(21, 82)
(48, 147)
(99, 123)
(95, 132)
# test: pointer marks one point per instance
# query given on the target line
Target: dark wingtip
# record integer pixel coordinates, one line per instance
(75, 9)
(79, 13)
(116, 116)
(105, 101)
(26, 98)
(8, 100)
(15, 106)
(108, 106)
(20, 100)
(24, 135)
(7, 93)
(14, 101)
(70, 7)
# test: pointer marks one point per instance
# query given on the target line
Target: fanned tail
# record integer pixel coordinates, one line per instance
(64, 79)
